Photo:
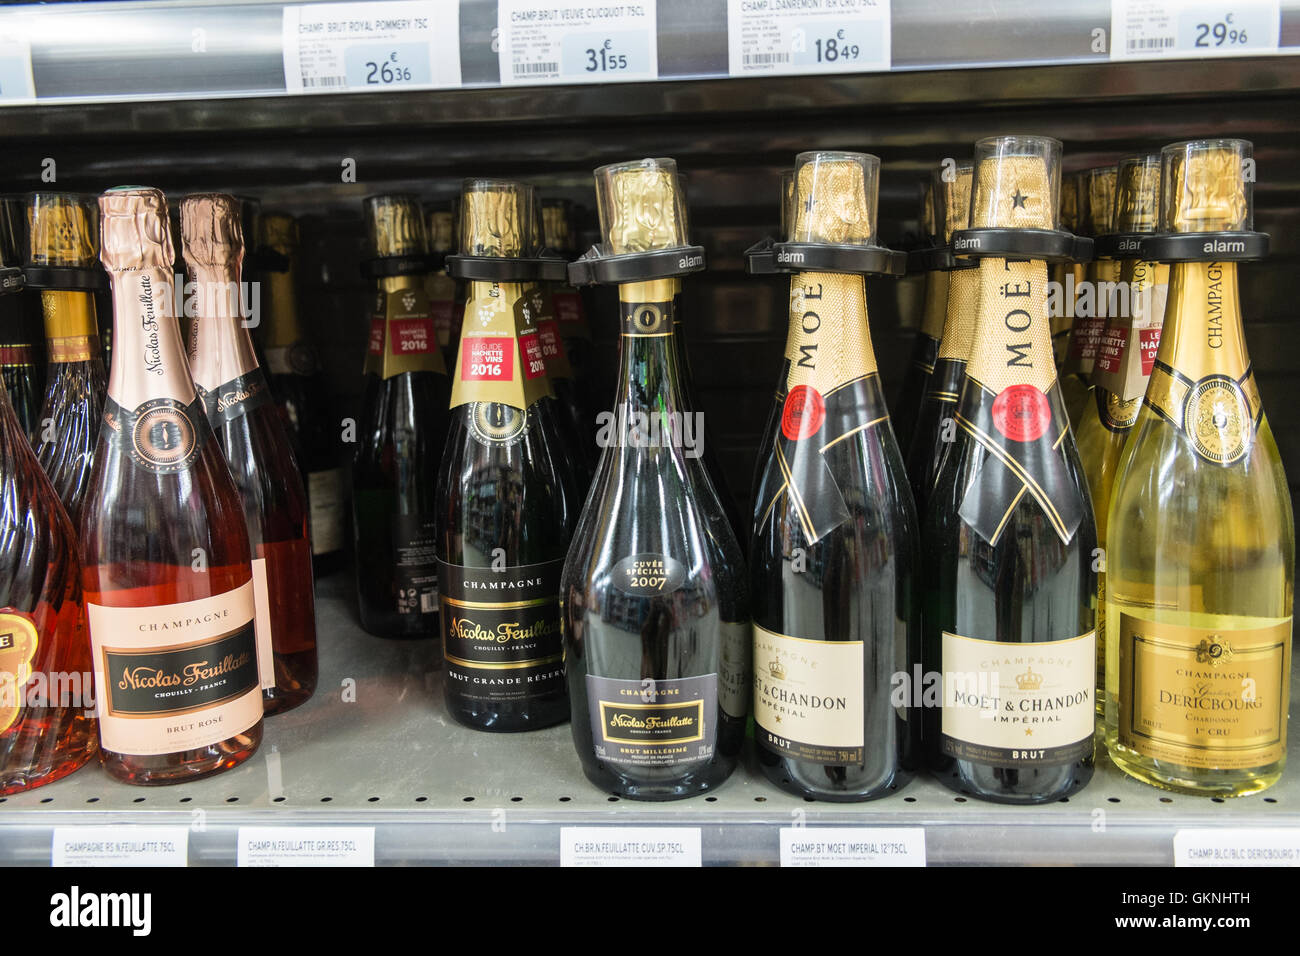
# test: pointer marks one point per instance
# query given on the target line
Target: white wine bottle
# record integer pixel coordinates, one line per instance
(1201, 562)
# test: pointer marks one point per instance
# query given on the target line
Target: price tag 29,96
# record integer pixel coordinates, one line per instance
(1167, 29)
(766, 37)
(356, 47)
(541, 41)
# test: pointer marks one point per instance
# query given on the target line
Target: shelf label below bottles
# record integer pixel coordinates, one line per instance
(306, 846)
(630, 846)
(1170, 29)
(1237, 846)
(120, 846)
(543, 41)
(853, 846)
(362, 47)
(16, 84)
(769, 37)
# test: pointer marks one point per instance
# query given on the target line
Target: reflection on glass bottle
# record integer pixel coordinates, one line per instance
(925, 351)
(20, 325)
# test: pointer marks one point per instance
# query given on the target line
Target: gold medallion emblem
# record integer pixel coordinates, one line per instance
(163, 436)
(1217, 419)
(494, 423)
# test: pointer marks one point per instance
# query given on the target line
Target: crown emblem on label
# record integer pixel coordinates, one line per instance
(775, 668)
(1029, 680)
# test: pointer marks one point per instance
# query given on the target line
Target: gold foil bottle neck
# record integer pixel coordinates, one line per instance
(555, 226)
(1101, 200)
(1013, 192)
(441, 233)
(929, 224)
(212, 233)
(956, 200)
(831, 202)
(643, 207)
(496, 219)
(1206, 189)
(396, 226)
(1137, 194)
(135, 231)
(64, 231)
(278, 231)
(1070, 203)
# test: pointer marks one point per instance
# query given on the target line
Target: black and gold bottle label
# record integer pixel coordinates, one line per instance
(501, 630)
(236, 398)
(18, 643)
(1208, 698)
(1219, 415)
(643, 319)
(162, 435)
(654, 723)
(1116, 414)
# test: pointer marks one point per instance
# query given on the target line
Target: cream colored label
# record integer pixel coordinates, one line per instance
(1018, 704)
(1127, 347)
(262, 623)
(325, 492)
(18, 643)
(1204, 698)
(809, 697)
(175, 677)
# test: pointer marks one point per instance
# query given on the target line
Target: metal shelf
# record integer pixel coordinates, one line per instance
(436, 792)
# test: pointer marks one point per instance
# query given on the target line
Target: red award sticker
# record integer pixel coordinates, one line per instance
(1021, 413)
(803, 413)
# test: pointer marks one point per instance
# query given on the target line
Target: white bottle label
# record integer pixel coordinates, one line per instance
(808, 697)
(262, 623)
(325, 490)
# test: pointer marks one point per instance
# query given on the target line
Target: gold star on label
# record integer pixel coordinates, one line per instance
(778, 718)
(1029, 731)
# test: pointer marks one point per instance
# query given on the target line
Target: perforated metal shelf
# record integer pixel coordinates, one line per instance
(439, 793)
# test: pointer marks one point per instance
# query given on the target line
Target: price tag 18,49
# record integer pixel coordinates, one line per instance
(1167, 29)
(546, 42)
(765, 37)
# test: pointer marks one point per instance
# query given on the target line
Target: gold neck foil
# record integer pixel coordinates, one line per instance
(396, 226)
(1101, 200)
(68, 315)
(832, 203)
(829, 340)
(1207, 192)
(961, 315)
(441, 238)
(212, 235)
(62, 232)
(645, 201)
(929, 222)
(1070, 203)
(1138, 202)
(1014, 193)
(555, 227)
(279, 232)
(135, 231)
(493, 222)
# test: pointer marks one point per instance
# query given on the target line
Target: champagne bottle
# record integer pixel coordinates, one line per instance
(20, 325)
(46, 730)
(65, 234)
(511, 501)
(1201, 563)
(571, 315)
(1125, 352)
(935, 426)
(1067, 276)
(403, 431)
(1009, 534)
(251, 433)
(165, 552)
(654, 597)
(925, 351)
(834, 549)
(301, 394)
(1095, 293)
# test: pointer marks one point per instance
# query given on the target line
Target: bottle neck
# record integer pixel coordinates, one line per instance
(1202, 332)
(829, 342)
(935, 305)
(148, 355)
(650, 374)
(961, 315)
(500, 356)
(71, 332)
(1012, 343)
(221, 348)
(280, 299)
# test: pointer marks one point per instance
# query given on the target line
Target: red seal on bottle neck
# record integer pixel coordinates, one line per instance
(803, 412)
(1022, 413)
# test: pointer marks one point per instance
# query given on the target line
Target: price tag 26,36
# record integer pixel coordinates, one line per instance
(355, 47)
(541, 41)
(765, 37)
(1166, 29)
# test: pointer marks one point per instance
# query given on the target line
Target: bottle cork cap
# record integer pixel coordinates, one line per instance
(1016, 183)
(1137, 194)
(279, 231)
(1101, 199)
(394, 226)
(496, 218)
(835, 198)
(135, 229)
(1206, 186)
(642, 206)
(953, 190)
(64, 230)
(212, 234)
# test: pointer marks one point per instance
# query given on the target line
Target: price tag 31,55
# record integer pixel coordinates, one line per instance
(767, 37)
(1168, 29)
(543, 41)
(358, 47)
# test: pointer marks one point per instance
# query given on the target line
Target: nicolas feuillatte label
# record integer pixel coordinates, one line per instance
(1204, 698)
(1018, 705)
(808, 697)
(501, 630)
(18, 643)
(161, 435)
(178, 676)
(653, 723)
(236, 398)
(415, 563)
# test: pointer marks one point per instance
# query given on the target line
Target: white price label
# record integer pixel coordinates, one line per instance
(306, 846)
(358, 47)
(1265, 846)
(630, 846)
(120, 846)
(546, 42)
(813, 36)
(852, 846)
(1147, 29)
(16, 84)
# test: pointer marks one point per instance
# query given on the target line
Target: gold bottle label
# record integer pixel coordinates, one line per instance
(1204, 698)
(1116, 414)
(500, 359)
(18, 643)
(72, 334)
(410, 341)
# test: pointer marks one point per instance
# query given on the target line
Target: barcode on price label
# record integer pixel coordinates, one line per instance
(388, 45)
(814, 36)
(1143, 29)
(543, 41)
